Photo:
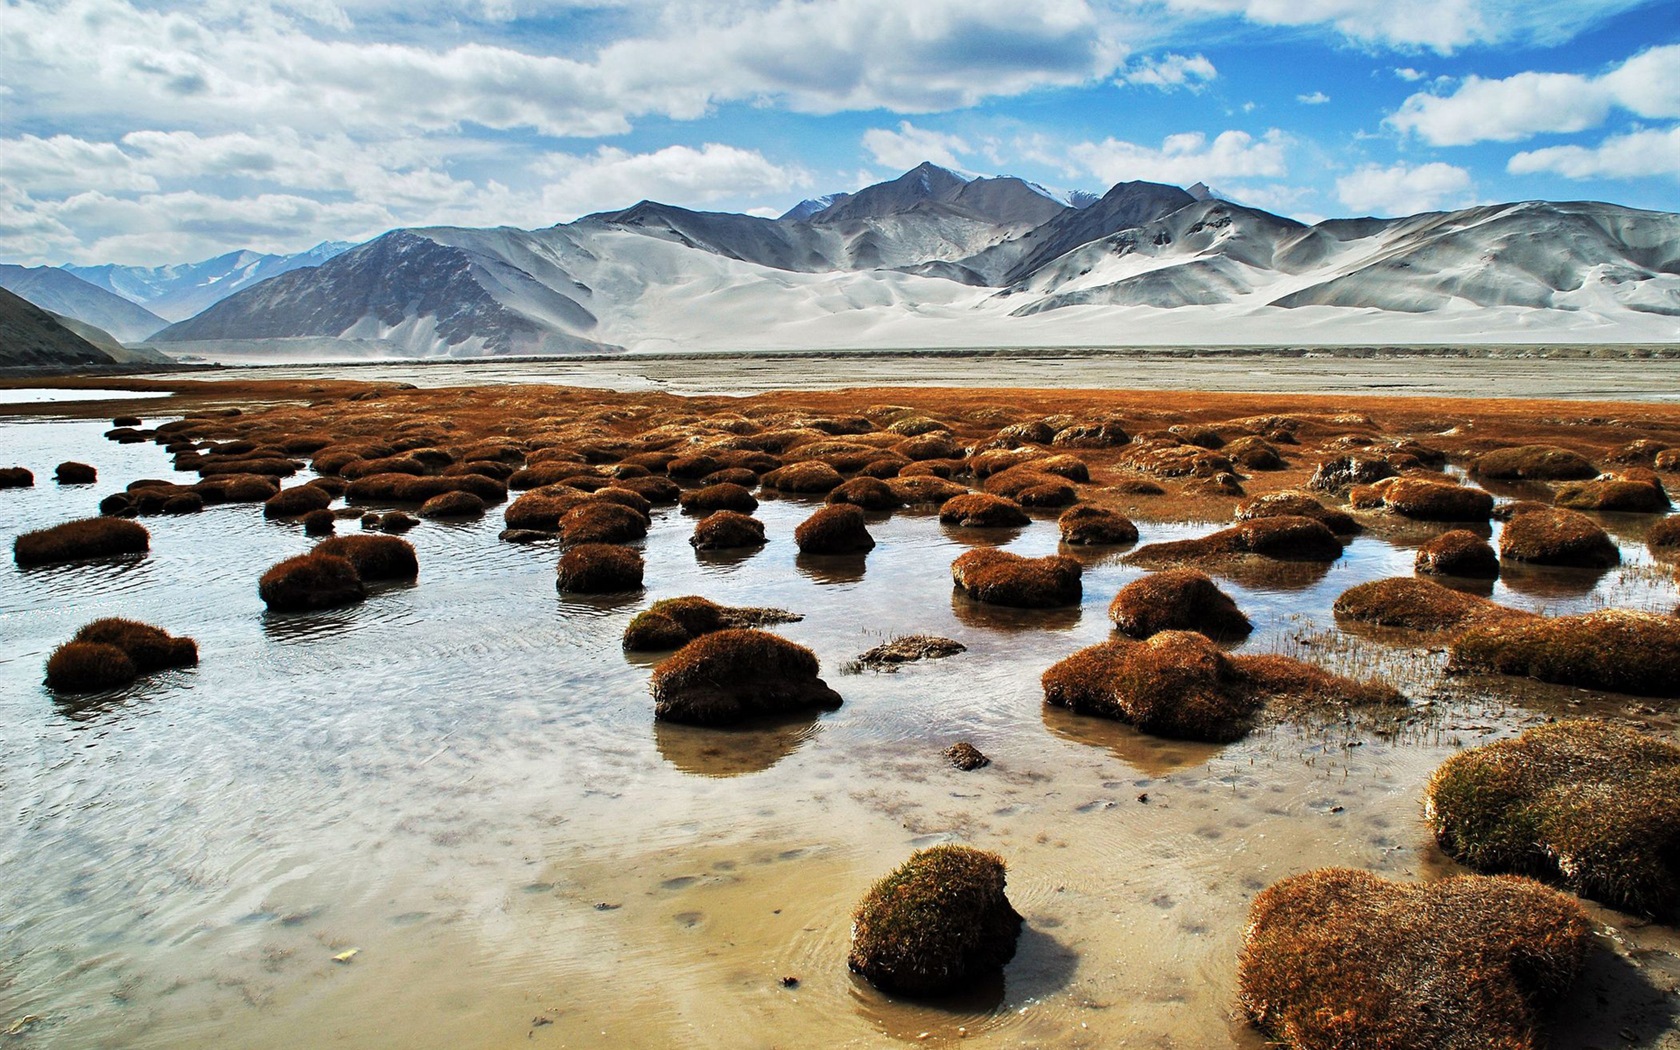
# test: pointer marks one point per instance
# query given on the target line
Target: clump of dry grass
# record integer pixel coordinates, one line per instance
(652, 489)
(812, 477)
(998, 577)
(837, 529)
(1345, 472)
(542, 509)
(1180, 684)
(727, 530)
(1591, 806)
(319, 523)
(1281, 539)
(1664, 536)
(1032, 487)
(982, 510)
(596, 521)
(1095, 434)
(1254, 453)
(1177, 600)
(1424, 500)
(84, 538)
(408, 488)
(1457, 552)
(374, 557)
(599, 568)
(1626, 494)
(721, 496)
(72, 473)
(16, 478)
(1292, 503)
(731, 675)
(316, 580)
(936, 923)
(920, 489)
(1546, 536)
(452, 505)
(1086, 525)
(1418, 605)
(112, 651)
(865, 492)
(1533, 463)
(966, 757)
(672, 623)
(1336, 959)
(296, 502)
(1614, 649)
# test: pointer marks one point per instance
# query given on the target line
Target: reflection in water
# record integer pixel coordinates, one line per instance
(725, 560)
(598, 605)
(1152, 756)
(1007, 618)
(1269, 574)
(831, 568)
(1549, 582)
(972, 537)
(308, 626)
(1480, 586)
(753, 748)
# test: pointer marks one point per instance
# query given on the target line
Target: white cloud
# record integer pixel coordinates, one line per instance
(1402, 190)
(1169, 71)
(1635, 155)
(612, 178)
(1317, 98)
(1410, 75)
(1440, 25)
(909, 146)
(1185, 158)
(1527, 104)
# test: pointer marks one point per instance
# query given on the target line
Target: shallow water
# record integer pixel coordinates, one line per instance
(58, 395)
(462, 781)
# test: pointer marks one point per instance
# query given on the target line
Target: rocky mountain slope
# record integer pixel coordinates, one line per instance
(32, 338)
(938, 258)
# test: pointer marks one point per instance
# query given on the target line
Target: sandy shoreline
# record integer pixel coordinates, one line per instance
(1633, 373)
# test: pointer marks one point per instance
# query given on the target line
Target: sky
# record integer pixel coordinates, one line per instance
(144, 132)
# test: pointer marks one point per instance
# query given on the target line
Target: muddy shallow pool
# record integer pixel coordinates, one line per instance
(457, 788)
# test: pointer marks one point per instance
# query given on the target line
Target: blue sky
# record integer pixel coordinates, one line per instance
(150, 132)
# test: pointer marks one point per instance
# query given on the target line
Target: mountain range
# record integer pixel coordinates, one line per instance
(941, 258)
(179, 291)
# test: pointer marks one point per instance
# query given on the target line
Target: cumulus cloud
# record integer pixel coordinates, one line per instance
(1403, 190)
(909, 146)
(1168, 72)
(1440, 25)
(613, 178)
(1410, 75)
(1185, 158)
(1529, 103)
(1317, 98)
(1635, 155)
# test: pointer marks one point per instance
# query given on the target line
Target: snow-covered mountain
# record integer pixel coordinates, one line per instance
(181, 290)
(59, 292)
(940, 258)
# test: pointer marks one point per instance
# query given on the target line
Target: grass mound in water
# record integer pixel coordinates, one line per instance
(729, 676)
(374, 557)
(1418, 605)
(84, 538)
(1336, 959)
(998, 577)
(836, 529)
(311, 581)
(1177, 600)
(599, 568)
(936, 923)
(1590, 806)
(1457, 552)
(1614, 649)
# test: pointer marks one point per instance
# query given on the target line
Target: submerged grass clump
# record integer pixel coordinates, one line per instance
(1424, 500)
(597, 521)
(982, 510)
(113, 651)
(1084, 525)
(1418, 605)
(732, 675)
(16, 478)
(84, 538)
(1545, 536)
(672, 623)
(727, 530)
(1533, 463)
(374, 557)
(998, 577)
(87, 667)
(1180, 684)
(316, 580)
(1337, 959)
(1295, 504)
(599, 568)
(723, 495)
(1281, 539)
(936, 923)
(1614, 649)
(1177, 600)
(452, 505)
(836, 529)
(1457, 552)
(72, 473)
(1591, 806)
(296, 502)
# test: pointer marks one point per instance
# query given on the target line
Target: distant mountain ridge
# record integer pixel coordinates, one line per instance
(936, 257)
(33, 338)
(179, 291)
